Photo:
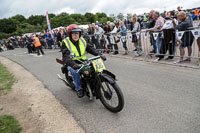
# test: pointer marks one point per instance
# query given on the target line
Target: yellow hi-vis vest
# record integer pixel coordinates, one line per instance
(37, 42)
(82, 45)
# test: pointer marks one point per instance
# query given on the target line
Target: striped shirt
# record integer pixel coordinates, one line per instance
(159, 23)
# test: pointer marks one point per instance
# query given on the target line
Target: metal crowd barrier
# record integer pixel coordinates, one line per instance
(144, 39)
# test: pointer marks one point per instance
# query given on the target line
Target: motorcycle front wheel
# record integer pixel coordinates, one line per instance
(111, 96)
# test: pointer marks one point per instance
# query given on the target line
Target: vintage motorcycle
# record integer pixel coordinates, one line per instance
(96, 82)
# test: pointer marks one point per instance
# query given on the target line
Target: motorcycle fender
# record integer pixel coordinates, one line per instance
(107, 78)
(109, 73)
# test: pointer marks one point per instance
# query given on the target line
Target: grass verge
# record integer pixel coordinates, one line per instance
(6, 79)
(8, 124)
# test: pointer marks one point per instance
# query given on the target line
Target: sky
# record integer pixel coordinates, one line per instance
(27, 8)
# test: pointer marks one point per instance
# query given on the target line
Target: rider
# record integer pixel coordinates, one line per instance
(74, 47)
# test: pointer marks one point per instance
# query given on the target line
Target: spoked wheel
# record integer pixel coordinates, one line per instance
(69, 79)
(111, 97)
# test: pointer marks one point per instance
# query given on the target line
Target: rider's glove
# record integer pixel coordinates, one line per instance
(103, 57)
(77, 66)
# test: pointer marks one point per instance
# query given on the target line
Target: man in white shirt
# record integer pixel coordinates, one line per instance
(98, 32)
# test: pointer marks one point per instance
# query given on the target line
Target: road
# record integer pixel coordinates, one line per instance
(158, 98)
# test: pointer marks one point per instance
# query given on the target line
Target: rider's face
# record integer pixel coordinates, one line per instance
(75, 36)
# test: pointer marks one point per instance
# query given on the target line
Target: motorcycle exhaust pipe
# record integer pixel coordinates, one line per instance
(63, 79)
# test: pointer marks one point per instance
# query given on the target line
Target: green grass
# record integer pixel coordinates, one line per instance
(6, 79)
(8, 124)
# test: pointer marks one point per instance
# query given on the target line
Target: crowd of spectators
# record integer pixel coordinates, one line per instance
(105, 37)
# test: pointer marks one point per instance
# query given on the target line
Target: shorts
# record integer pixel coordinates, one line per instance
(187, 39)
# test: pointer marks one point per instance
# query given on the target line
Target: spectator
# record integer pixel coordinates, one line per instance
(107, 30)
(158, 25)
(122, 31)
(179, 8)
(194, 16)
(97, 23)
(113, 43)
(90, 29)
(187, 39)
(145, 21)
(198, 43)
(65, 33)
(1, 46)
(42, 40)
(49, 40)
(59, 37)
(152, 22)
(196, 12)
(168, 43)
(98, 34)
(135, 40)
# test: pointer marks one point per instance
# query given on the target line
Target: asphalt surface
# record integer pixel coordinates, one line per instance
(158, 98)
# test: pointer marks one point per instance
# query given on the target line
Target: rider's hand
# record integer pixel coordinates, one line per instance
(103, 57)
(77, 66)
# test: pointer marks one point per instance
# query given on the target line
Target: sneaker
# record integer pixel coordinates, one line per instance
(137, 54)
(187, 60)
(152, 52)
(115, 53)
(178, 62)
(135, 50)
(80, 93)
(156, 60)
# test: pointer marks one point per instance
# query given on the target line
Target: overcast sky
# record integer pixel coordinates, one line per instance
(35, 7)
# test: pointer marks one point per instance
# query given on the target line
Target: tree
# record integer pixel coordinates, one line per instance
(112, 16)
(18, 19)
(101, 15)
(51, 15)
(80, 19)
(63, 19)
(129, 16)
(120, 16)
(18, 24)
(28, 28)
(36, 19)
(102, 20)
(7, 25)
(4, 35)
(90, 17)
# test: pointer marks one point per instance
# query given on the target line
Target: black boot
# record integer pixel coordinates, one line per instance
(80, 93)
(116, 49)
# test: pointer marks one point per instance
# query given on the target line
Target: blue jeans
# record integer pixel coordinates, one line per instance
(158, 44)
(144, 25)
(49, 44)
(153, 42)
(98, 44)
(76, 78)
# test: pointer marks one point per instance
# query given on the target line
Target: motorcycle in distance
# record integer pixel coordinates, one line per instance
(96, 82)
